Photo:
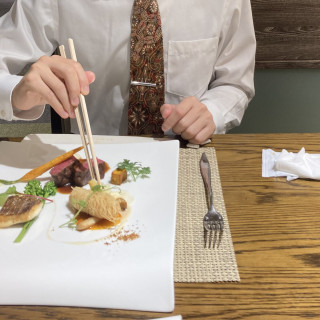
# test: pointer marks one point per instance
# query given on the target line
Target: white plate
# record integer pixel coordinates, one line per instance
(54, 266)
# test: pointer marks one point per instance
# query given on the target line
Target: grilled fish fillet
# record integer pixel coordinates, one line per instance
(19, 209)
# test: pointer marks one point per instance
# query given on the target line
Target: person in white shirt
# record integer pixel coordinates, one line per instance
(209, 56)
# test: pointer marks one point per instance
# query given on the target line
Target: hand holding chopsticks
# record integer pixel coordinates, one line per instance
(85, 131)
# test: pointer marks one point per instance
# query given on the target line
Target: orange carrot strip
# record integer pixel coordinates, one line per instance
(34, 173)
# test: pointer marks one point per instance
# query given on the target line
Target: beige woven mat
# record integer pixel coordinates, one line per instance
(194, 263)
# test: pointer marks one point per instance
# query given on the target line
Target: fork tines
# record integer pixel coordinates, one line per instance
(213, 236)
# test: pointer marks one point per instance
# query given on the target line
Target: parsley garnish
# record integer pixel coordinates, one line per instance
(134, 169)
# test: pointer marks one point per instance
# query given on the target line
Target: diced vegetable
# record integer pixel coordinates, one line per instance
(118, 176)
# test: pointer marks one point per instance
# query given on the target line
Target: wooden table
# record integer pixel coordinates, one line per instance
(275, 227)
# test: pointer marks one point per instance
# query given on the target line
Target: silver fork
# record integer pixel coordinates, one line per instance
(213, 220)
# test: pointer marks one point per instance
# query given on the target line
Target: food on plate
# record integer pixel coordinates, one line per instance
(24, 207)
(34, 187)
(82, 175)
(4, 196)
(62, 173)
(98, 204)
(34, 173)
(18, 209)
(87, 223)
(75, 172)
(134, 169)
(118, 176)
(45, 167)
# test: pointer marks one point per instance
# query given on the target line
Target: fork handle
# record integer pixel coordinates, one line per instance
(206, 176)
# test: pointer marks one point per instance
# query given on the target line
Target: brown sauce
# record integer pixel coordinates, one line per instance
(65, 189)
(106, 168)
(101, 224)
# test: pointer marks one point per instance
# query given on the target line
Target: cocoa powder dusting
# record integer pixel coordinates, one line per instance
(129, 236)
(124, 235)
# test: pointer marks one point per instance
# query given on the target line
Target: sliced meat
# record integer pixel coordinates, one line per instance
(62, 174)
(75, 172)
(19, 209)
(81, 174)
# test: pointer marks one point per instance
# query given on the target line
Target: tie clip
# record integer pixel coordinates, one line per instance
(146, 84)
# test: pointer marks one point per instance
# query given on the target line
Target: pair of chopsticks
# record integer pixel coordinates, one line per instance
(82, 117)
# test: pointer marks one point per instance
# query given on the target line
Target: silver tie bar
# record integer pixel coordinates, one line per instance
(146, 84)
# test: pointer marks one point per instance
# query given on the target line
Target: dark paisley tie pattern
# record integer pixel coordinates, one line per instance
(146, 66)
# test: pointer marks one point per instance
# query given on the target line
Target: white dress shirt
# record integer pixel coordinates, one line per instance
(209, 53)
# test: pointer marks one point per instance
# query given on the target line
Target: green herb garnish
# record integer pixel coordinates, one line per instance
(134, 169)
(7, 182)
(34, 187)
(24, 230)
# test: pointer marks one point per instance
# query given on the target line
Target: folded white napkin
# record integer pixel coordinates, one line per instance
(289, 164)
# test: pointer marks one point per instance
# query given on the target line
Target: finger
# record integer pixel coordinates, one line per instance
(58, 88)
(32, 91)
(192, 130)
(70, 77)
(49, 97)
(83, 78)
(166, 110)
(201, 137)
(194, 122)
(189, 119)
(90, 76)
(60, 75)
(178, 113)
(199, 134)
(75, 78)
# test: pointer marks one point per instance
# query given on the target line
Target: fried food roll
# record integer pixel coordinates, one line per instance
(102, 204)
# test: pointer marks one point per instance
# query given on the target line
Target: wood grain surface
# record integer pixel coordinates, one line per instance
(275, 227)
(287, 32)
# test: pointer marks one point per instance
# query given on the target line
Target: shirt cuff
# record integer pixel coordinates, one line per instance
(217, 115)
(8, 82)
(7, 111)
(227, 105)
(28, 115)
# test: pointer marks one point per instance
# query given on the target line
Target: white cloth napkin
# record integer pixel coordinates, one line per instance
(290, 164)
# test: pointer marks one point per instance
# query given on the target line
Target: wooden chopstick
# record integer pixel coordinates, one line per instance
(87, 126)
(79, 122)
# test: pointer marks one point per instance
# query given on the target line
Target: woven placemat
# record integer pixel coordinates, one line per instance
(194, 263)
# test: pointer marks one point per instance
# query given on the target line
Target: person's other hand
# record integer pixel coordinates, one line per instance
(190, 118)
(53, 80)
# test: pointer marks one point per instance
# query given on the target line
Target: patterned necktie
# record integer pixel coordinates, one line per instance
(146, 69)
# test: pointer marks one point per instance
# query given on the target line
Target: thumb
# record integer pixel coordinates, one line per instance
(166, 110)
